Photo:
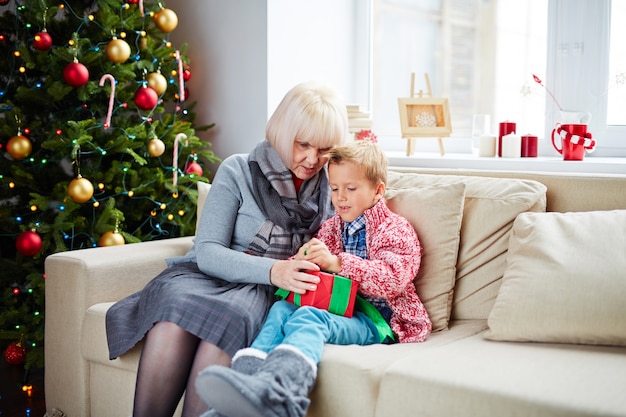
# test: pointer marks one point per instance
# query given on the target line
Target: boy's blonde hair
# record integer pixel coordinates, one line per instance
(364, 154)
(309, 112)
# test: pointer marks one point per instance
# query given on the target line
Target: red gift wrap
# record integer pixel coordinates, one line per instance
(334, 293)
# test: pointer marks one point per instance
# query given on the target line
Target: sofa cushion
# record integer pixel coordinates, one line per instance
(479, 377)
(348, 378)
(435, 213)
(565, 280)
(491, 205)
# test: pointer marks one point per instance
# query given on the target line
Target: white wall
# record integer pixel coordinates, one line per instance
(228, 52)
(311, 40)
(245, 54)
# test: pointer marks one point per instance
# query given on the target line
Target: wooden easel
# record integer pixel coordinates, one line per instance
(410, 144)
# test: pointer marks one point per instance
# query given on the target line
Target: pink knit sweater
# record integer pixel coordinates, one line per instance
(394, 255)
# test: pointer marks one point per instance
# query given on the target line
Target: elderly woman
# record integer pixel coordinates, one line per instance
(212, 302)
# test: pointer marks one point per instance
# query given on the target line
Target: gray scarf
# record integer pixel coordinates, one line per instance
(291, 219)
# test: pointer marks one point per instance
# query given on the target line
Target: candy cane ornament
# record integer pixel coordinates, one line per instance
(141, 7)
(181, 81)
(175, 156)
(109, 77)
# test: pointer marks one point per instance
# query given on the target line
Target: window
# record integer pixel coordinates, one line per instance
(616, 116)
(481, 55)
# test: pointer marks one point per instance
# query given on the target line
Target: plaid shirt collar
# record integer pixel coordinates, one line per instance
(351, 228)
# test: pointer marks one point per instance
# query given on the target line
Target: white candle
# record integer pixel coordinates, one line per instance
(487, 146)
(511, 146)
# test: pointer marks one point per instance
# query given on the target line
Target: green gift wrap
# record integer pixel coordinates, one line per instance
(334, 293)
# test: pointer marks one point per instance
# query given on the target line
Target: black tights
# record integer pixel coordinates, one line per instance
(170, 361)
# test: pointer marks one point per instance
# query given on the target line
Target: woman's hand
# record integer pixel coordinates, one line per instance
(291, 275)
(317, 252)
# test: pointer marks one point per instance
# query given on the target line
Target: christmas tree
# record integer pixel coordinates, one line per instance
(98, 145)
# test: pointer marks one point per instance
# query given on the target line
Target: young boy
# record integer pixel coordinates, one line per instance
(363, 241)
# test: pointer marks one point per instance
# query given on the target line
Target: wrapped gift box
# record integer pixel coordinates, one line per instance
(334, 293)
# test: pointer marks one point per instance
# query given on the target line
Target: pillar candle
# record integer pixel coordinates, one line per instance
(511, 146)
(529, 146)
(487, 146)
(505, 128)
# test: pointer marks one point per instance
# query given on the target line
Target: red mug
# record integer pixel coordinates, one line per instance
(574, 140)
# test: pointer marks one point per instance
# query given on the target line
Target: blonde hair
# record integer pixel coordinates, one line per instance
(364, 154)
(309, 112)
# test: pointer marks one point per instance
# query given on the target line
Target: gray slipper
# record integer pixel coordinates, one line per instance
(215, 386)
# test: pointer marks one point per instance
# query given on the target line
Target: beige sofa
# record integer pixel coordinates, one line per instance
(528, 307)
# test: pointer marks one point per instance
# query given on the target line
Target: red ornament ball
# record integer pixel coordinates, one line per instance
(4, 2)
(186, 74)
(146, 98)
(15, 354)
(132, 1)
(42, 41)
(76, 74)
(28, 243)
(194, 168)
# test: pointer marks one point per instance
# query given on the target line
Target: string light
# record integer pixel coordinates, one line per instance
(28, 389)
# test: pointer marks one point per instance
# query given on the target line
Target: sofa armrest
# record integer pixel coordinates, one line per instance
(76, 280)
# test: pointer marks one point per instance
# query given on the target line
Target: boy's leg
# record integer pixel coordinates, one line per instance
(309, 328)
(271, 334)
(248, 360)
(281, 386)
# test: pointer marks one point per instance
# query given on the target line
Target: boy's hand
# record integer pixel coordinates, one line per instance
(317, 252)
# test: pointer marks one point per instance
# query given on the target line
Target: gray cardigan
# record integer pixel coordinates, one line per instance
(230, 219)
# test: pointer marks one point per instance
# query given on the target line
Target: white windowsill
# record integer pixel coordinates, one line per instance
(591, 165)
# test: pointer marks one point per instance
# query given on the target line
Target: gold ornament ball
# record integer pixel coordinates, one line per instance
(157, 82)
(111, 239)
(19, 147)
(118, 51)
(156, 147)
(143, 43)
(80, 190)
(166, 20)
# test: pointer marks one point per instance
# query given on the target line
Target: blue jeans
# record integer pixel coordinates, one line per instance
(308, 328)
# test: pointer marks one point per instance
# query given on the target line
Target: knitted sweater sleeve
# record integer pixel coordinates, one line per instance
(394, 256)
(230, 218)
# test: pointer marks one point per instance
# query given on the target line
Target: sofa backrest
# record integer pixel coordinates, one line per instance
(566, 191)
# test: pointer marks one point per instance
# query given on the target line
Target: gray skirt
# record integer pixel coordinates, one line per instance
(228, 315)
